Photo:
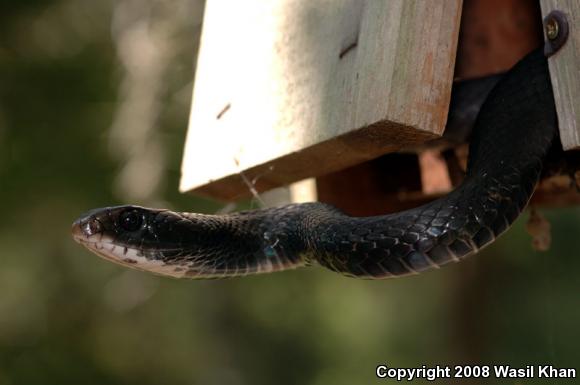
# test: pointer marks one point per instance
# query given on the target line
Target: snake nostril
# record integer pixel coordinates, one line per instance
(85, 227)
(93, 227)
(88, 224)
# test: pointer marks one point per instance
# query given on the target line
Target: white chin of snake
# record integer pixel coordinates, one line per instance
(133, 258)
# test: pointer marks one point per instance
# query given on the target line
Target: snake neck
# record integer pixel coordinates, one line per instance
(256, 241)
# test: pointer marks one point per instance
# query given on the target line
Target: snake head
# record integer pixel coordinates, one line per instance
(186, 244)
(132, 236)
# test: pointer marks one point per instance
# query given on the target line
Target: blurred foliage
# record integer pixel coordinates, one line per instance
(68, 317)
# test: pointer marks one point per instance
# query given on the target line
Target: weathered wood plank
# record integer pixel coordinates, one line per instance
(292, 89)
(565, 73)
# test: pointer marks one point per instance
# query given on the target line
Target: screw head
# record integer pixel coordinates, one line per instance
(557, 30)
(552, 28)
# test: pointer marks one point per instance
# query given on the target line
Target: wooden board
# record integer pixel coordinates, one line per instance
(494, 35)
(291, 89)
(565, 73)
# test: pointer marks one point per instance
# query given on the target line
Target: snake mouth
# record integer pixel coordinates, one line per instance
(105, 247)
(132, 258)
(98, 243)
(105, 250)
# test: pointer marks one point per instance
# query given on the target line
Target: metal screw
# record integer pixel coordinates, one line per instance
(557, 31)
(552, 28)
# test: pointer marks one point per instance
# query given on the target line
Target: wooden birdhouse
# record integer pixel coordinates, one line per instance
(356, 94)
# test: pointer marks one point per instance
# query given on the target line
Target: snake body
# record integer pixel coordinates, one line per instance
(512, 135)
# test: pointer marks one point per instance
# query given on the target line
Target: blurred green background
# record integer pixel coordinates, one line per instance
(94, 102)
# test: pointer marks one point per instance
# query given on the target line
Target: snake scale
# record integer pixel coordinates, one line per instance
(512, 135)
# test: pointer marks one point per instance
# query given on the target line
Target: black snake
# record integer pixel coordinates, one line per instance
(512, 135)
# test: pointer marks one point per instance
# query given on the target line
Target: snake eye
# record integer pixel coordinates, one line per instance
(130, 220)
